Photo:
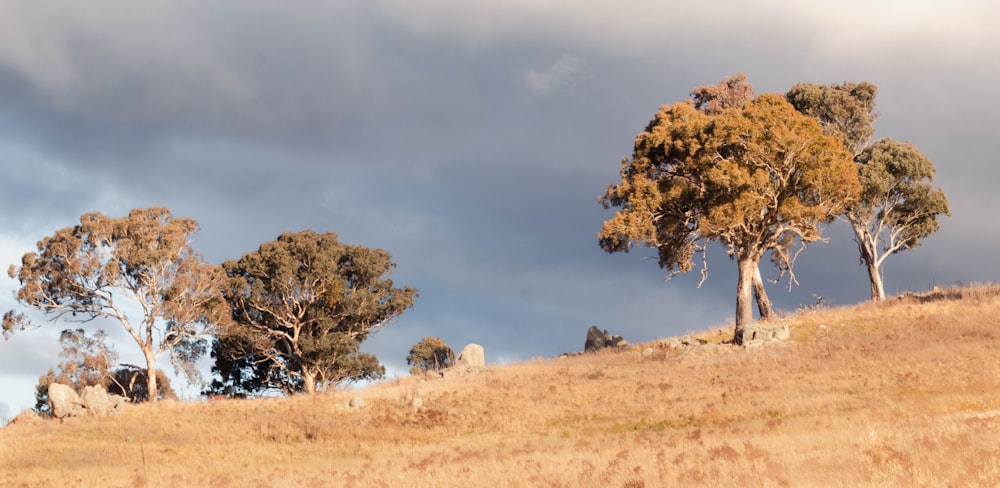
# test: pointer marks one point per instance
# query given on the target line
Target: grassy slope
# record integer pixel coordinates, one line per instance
(905, 393)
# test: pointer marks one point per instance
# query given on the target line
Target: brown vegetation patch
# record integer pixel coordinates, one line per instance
(902, 393)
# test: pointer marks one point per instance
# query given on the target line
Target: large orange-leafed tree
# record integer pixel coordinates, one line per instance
(759, 178)
(138, 270)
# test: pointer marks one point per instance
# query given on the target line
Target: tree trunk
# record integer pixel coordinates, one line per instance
(744, 292)
(150, 374)
(867, 246)
(309, 383)
(878, 290)
(763, 302)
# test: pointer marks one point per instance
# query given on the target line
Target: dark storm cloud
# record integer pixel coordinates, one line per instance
(470, 139)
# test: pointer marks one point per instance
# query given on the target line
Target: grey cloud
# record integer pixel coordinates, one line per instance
(562, 76)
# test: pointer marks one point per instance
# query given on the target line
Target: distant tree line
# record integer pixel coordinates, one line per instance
(762, 176)
(289, 317)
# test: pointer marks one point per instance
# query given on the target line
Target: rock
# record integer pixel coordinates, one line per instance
(764, 333)
(356, 402)
(96, 399)
(64, 402)
(27, 417)
(472, 357)
(116, 404)
(597, 340)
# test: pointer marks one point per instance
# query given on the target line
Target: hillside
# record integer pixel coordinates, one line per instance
(903, 393)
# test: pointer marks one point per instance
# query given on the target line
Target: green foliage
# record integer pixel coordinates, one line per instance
(302, 305)
(897, 191)
(844, 110)
(84, 272)
(431, 354)
(898, 206)
(756, 177)
(130, 382)
(42, 392)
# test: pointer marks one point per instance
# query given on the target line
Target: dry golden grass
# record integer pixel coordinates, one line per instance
(904, 393)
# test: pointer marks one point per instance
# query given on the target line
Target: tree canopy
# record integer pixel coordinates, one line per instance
(301, 307)
(898, 205)
(757, 178)
(844, 110)
(431, 354)
(86, 272)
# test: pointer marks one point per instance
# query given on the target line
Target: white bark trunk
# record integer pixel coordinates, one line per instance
(744, 296)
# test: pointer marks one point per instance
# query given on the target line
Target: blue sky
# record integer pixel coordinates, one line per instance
(469, 139)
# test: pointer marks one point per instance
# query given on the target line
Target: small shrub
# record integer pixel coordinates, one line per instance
(431, 354)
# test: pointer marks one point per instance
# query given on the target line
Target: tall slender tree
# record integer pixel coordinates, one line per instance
(898, 205)
(759, 178)
(89, 271)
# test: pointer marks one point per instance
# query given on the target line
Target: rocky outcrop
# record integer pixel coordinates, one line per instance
(96, 400)
(471, 359)
(597, 340)
(65, 402)
(472, 356)
(27, 417)
(760, 333)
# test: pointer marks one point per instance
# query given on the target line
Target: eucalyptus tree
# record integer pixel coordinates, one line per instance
(431, 354)
(898, 205)
(301, 306)
(139, 271)
(759, 178)
(733, 92)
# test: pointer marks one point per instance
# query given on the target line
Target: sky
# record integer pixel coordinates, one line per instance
(471, 140)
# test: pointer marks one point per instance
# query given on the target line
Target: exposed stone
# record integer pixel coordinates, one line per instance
(27, 417)
(472, 356)
(96, 399)
(470, 360)
(597, 340)
(356, 402)
(116, 404)
(64, 402)
(762, 332)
